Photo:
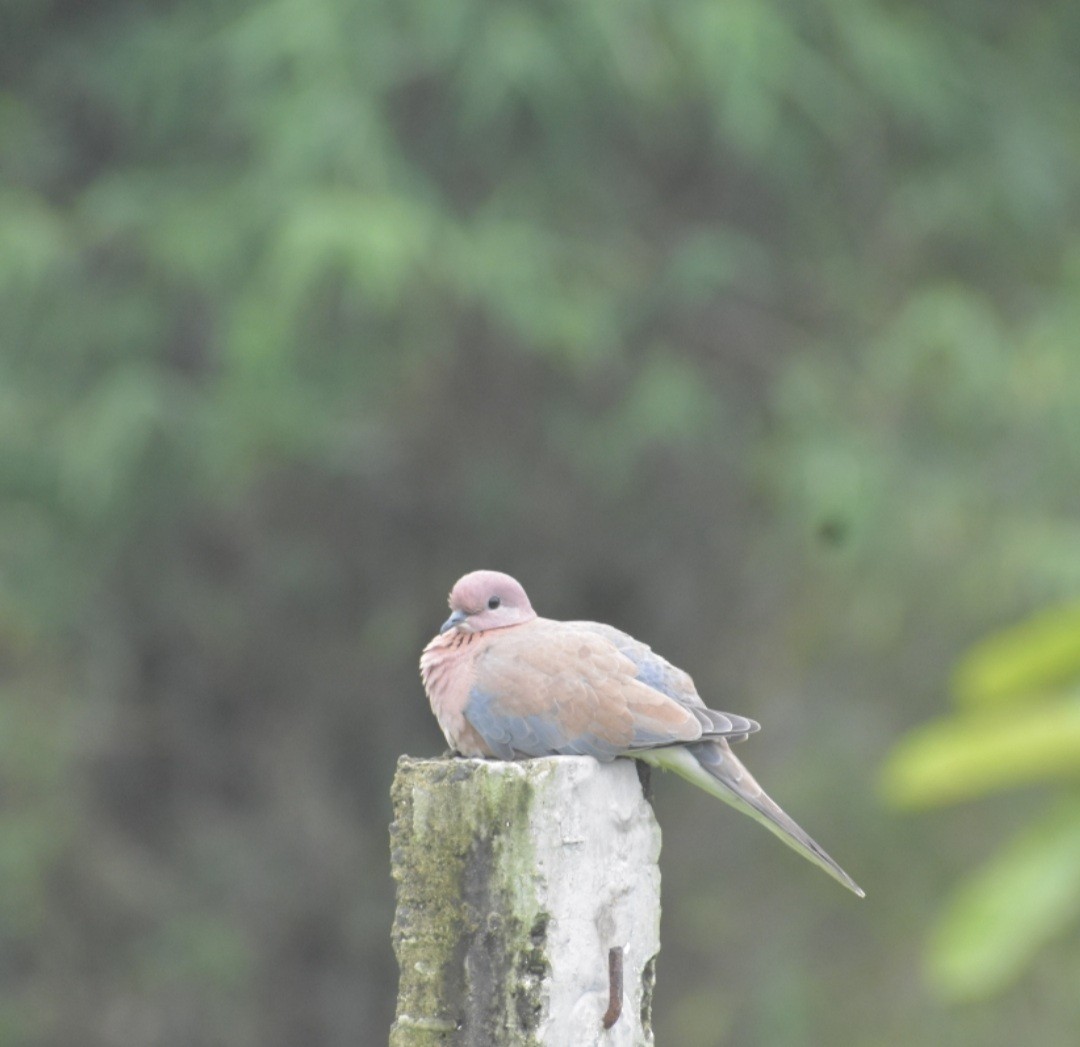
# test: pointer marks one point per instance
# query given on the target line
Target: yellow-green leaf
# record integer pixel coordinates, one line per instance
(971, 754)
(1021, 662)
(997, 921)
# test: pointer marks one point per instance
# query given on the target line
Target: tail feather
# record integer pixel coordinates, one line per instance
(713, 767)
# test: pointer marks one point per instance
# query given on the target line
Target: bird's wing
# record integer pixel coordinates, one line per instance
(553, 688)
(659, 674)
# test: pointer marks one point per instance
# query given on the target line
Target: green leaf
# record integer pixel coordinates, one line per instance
(998, 921)
(967, 756)
(1020, 662)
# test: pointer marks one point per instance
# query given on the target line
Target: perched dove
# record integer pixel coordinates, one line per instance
(508, 684)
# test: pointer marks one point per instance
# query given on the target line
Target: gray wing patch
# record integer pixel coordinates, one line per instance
(510, 737)
(731, 726)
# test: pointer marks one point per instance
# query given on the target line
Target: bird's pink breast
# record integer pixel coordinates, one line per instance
(448, 670)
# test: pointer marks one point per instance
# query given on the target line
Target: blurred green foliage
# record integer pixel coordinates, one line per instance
(749, 327)
(1018, 722)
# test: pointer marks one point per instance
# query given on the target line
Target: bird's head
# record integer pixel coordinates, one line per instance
(486, 600)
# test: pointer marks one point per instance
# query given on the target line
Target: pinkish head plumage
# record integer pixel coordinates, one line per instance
(486, 600)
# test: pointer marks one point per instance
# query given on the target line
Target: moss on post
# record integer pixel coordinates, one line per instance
(516, 881)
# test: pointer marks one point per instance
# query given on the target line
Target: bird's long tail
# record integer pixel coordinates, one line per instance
(712, 766)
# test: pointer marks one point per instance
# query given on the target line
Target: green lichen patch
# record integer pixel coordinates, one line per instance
(468, 936)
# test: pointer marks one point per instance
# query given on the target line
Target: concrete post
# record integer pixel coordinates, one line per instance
(528, 903)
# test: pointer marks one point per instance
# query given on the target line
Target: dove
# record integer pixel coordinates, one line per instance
(506, 684)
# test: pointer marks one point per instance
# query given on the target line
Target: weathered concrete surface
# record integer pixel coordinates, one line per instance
(515, 881)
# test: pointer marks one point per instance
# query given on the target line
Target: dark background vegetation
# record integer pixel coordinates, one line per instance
(749, 327)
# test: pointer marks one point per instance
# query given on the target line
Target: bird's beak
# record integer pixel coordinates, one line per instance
(454, 620)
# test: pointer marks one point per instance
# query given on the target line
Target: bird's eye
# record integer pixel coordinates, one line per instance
(494, 602)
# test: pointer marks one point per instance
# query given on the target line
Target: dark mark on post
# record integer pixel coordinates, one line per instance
(615, 975)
